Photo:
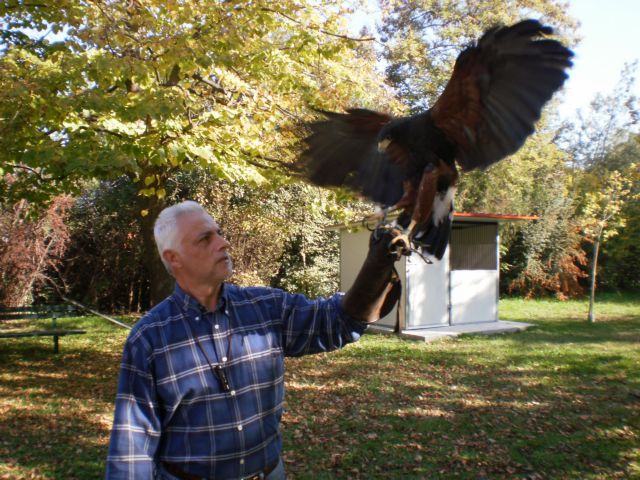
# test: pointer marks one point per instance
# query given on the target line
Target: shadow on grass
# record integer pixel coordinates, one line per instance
(56, 410)
(559, 332)
(434, 414)
(76, 372)
(62, 445)
(555, 402)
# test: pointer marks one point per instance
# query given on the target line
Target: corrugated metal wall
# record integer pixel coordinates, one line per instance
(473, 247)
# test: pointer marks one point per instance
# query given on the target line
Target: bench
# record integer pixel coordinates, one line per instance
(36, 312)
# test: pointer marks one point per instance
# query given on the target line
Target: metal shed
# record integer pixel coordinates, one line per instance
(458, 294)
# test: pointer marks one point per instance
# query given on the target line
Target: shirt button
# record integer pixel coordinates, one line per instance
(217, 326)
(242, 461)
(224, 359)
(239, 427)
(232, 393)
(197, 318)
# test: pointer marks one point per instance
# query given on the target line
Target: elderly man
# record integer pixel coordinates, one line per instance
(202, 379)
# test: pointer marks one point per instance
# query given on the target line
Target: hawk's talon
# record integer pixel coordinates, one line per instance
(400, 245)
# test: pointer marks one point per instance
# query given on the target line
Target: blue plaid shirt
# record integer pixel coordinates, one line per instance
(172, 406)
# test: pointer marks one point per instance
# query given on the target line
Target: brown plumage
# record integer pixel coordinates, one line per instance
(487, 110)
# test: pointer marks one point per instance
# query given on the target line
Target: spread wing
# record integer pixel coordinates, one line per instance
(497, 91)
(342, 150)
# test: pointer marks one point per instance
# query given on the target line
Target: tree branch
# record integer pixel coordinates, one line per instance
(321, 30)
(27, 5)
(252, 160)
(104, 130)
(29, 169)
(215, 87)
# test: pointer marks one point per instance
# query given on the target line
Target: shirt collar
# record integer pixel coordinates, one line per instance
(190, 305)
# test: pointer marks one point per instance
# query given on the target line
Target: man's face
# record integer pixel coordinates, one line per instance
(203, 257)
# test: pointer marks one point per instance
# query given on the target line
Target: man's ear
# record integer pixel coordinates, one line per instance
(171, 257)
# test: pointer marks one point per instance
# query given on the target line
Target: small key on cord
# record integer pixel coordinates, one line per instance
(222, 376)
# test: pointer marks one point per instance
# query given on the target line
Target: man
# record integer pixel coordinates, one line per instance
(201, 384)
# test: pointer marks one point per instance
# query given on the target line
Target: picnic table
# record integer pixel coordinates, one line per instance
(13, 318)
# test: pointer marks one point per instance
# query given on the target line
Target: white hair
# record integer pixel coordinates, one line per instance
(165, 229)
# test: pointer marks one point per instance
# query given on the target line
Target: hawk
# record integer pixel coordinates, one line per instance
(487, 110)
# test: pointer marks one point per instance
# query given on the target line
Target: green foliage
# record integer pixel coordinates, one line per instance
(620, 261)
(521, 184)
(309, 264)
(546, 256)
(152, 89)
(148, 88)
(597, 133)
(105, 245)
(603, 143)
(611, 210)
(620, 265)
(603, 209)
(277, 233)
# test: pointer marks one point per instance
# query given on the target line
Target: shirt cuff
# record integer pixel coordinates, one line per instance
(356, 327)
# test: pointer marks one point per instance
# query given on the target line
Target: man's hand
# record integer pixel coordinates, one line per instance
(377, 287)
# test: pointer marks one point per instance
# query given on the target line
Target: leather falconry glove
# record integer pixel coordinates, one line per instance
(377, 287)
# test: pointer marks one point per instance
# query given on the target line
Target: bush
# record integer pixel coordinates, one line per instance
(276, 233)
(104, 267)
(32, 245)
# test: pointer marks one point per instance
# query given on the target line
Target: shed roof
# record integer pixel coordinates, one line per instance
(491, 217)
(468, 217)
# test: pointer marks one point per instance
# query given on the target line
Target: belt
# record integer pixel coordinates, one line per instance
(176, 471)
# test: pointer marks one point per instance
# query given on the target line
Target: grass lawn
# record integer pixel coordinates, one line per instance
(561, 401)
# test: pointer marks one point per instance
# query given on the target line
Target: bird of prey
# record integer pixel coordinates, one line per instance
(486, 112)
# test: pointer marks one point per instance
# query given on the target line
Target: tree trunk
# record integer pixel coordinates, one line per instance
(594, 271)
(159, 281)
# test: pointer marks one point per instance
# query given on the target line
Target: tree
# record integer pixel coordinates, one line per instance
(423, 38)
(607, 123)
(106, 245)
(545, 256)
(619, 264)
(602, 147)
(604, 217)
(148, 88)
(30, 247)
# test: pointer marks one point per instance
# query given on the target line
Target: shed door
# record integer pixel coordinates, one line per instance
(427, 292)
(474, 273)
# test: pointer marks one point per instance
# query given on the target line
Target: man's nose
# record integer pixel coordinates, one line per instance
(224, 243)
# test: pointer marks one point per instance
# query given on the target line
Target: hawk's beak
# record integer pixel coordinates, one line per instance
(382, 145)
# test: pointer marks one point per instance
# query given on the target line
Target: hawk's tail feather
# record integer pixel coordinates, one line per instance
(434, 239)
